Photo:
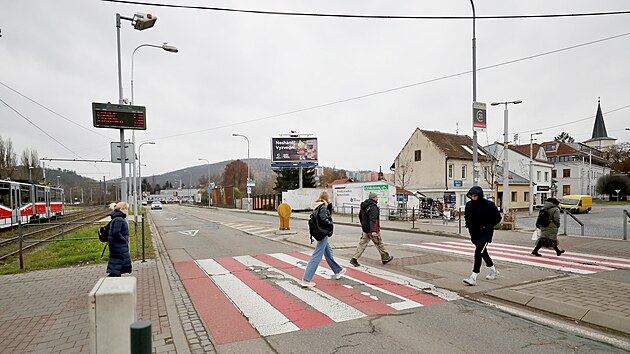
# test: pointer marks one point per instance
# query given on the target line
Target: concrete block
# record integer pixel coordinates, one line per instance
(558, 307)
(608, 320)
(511, 296)
(112, 311)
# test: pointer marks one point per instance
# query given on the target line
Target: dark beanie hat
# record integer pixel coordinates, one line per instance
(553, 200)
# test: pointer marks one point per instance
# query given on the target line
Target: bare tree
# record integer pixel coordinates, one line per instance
(404, 170)
(8, 158)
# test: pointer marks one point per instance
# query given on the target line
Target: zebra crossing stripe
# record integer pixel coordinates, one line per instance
(212, 304)
(582, 258)
(245, 297)
(412, 297)
(293, 311)
(260, 313)
(300, 259)
(361, 302)
(336, 310)
(514, 257)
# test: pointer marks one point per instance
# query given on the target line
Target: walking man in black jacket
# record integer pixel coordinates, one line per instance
(369, 215)
(481, 215)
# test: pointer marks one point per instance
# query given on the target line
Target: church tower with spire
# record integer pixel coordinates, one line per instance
(600, 138)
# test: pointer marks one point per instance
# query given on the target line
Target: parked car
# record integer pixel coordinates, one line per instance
(156, 206)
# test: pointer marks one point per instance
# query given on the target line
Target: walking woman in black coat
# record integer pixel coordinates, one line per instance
(118, 241)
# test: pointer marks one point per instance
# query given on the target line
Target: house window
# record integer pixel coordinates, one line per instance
(418, 155)
(566, 173)
(546, 176)
(514, 196)
(464, 171)
(451, 171)
(486, 172)
(554, 174)
(566, 190)
(526, 196)
(538, 176)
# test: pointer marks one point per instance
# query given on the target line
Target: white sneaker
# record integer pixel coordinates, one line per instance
(470, 281)
(306, 284)
(493, 275)
(341, 272)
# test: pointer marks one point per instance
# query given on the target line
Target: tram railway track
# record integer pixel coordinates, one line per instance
(10, 246)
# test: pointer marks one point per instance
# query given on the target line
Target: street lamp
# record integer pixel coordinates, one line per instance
(140, 171)
(531, 172)
(58, 185)
(189, 183)
(139, 22)
(208, 163)
(506, 171)
(248, 188)
(136, 180)
(474, 98)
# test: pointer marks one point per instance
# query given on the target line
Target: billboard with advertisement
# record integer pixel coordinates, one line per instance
(293, 149)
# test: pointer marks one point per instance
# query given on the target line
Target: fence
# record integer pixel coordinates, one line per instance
(69, 226)
(266, 201)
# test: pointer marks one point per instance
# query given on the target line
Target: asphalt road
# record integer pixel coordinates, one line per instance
(602, 221)
(460, 326)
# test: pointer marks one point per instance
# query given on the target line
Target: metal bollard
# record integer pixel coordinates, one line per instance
(413, 218)
(141, 337)
(351, 212)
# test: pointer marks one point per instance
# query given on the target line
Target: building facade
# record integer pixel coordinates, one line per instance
(440, 166)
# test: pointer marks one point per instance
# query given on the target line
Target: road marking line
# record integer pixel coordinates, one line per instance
(337, 310)
(260, 313)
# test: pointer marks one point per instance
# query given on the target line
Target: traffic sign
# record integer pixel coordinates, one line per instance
(251, 183)
(479, 116)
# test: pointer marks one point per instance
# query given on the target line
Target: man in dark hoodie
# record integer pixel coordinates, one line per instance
(481, 215)
(369, 216)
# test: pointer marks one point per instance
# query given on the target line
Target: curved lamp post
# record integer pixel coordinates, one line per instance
(248, 193)
(506, 171)
(208, 163)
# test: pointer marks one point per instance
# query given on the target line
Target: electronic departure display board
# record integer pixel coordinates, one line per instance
(119, 116)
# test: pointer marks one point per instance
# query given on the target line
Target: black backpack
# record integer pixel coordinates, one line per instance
(103, 232)
(544, 219)
(316, 231)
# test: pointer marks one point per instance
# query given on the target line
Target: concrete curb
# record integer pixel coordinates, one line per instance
(179, 338)
(564, 309)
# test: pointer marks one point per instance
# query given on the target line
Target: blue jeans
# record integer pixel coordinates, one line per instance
(322, 249)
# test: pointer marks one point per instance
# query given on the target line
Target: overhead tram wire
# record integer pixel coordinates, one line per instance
(51, 111)
(400, 88)
(386, 17)
(42, 130)
(38, 128)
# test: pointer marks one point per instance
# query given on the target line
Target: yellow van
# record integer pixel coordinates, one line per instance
(576, 203)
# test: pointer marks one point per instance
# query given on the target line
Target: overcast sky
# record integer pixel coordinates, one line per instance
(234, 69)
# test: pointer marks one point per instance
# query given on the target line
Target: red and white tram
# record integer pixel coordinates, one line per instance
(27, 202)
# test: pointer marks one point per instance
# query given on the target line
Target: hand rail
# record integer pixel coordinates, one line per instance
(574, 218)
(625, 224)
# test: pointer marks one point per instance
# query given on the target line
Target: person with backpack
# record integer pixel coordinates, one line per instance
(118, 241)
(369, 216)
(481, 215)
(548, 222)
(321, 228)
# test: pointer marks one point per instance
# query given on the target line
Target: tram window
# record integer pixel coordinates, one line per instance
(25, 194)
(4, 194)
(40, 194)
(55, 195)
